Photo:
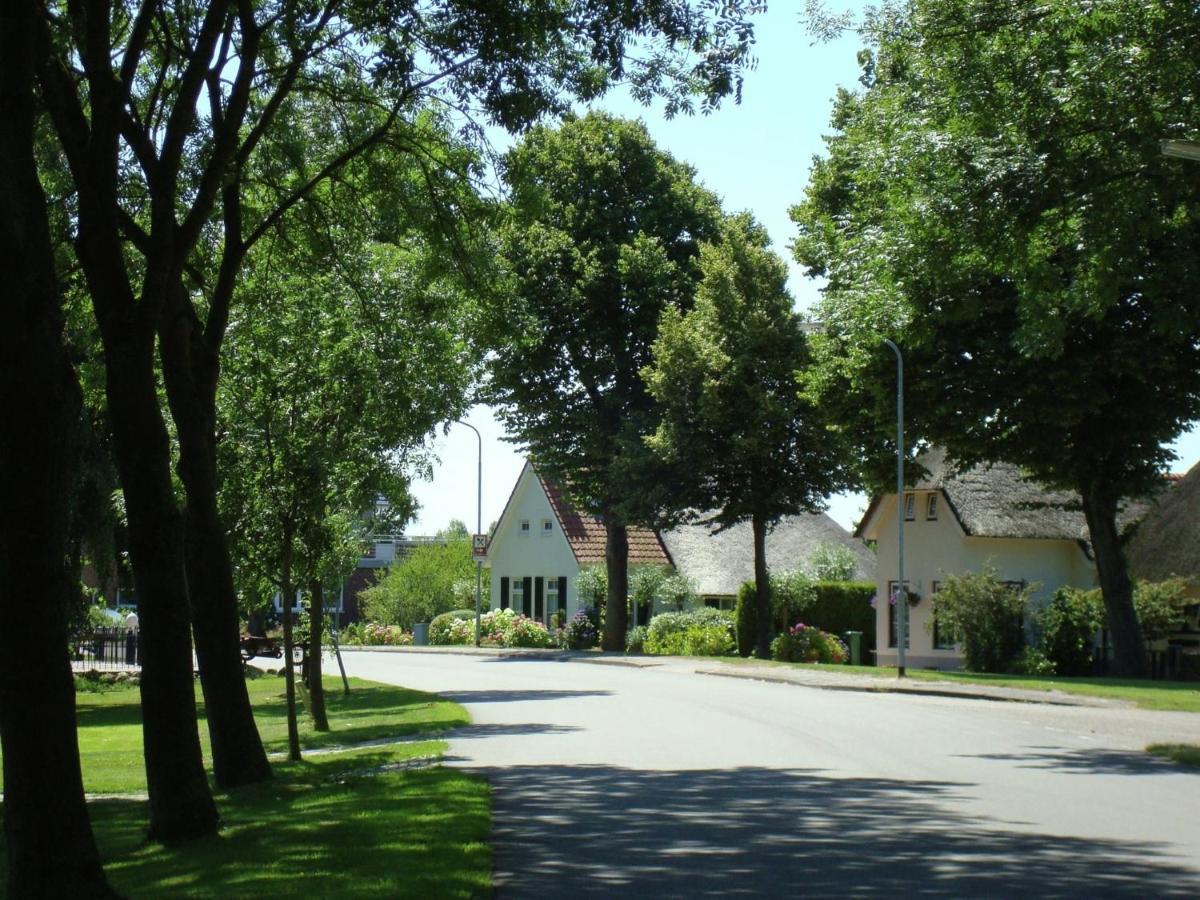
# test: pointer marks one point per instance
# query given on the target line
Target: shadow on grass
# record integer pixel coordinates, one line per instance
(420, 834)
(590, 830)
(126, 713)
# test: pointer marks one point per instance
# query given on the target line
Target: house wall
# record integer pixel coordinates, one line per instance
(934, 549)
(538, 553)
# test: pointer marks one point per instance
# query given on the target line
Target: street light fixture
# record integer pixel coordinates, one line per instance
(478, 527)
(901, 595)
(1181, 149)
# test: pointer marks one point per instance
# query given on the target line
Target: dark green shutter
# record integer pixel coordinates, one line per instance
(539, 598)
(562, 595)
(527, 595)
(504, 592)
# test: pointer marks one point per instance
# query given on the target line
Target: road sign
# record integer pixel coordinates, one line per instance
(479, 546)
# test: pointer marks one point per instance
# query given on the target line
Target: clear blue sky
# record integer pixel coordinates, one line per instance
(756, 156)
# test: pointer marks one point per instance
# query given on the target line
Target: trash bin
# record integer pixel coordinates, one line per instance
(421, 634)
(854, 639)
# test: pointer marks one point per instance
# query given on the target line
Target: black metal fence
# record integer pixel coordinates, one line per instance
(106, 649)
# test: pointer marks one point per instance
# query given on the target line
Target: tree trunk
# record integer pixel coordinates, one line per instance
(316, 690)
(762, 589)
(190, 374)
(181, 804)
(287, 598)
(50, 846)
(1129, 650)
(616, 561)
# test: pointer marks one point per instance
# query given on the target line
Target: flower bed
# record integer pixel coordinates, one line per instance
(805, 643)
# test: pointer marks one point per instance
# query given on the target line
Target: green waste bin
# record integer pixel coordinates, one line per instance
(421, 634)
(854, 639)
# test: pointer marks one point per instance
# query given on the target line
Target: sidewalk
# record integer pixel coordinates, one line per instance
(825, 678)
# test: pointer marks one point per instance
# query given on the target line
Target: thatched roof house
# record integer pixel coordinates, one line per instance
(1167, 542)
(720, 563)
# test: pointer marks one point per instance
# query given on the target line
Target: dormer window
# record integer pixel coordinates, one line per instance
(910, 507)
(547, 527)
(524, 528)
(931, 508)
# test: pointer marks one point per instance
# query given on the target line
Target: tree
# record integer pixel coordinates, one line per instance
(163, 109)
(427, 581)
(723, 374)
(50, 847)
(994, 200)
(603, 236)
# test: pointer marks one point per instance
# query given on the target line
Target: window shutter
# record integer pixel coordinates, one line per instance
(504, 592)
(527, 595)
(562, 594)
(539, 598)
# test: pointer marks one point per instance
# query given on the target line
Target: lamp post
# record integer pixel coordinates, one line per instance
(478, 527)
(901, 595)
(1181, 149)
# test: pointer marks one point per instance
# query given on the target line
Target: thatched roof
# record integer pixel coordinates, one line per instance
(999, 500)
(720, 563)
(1167, 542)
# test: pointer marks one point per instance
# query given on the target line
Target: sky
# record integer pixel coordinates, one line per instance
(756, 155)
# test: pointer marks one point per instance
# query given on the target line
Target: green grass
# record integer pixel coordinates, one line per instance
(1171, 696)
(351, 822)
(1185, 754)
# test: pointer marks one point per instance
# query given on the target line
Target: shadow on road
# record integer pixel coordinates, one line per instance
(1087, 762)
(504, 696)
(504, 730)
(597, 830)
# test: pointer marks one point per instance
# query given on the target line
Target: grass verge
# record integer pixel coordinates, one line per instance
(1186, 754)
(349, 822)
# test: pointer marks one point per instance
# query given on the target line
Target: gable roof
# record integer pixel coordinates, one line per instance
(998, 500)
(720, 563)
(587, 537)
(1167, 542)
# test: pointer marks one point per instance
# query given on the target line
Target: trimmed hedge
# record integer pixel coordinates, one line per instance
(834, 606)
(439, 628)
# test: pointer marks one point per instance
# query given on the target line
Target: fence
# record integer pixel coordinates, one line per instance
(106, 649)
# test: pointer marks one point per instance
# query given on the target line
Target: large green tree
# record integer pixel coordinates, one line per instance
(162, 110)
(604, 235)
(734, 425)
(994, 200)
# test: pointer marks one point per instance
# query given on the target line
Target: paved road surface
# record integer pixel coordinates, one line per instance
(623, 781)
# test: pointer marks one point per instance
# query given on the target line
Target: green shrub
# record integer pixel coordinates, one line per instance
(440, 627)
(1068, 625)
(1159, 606)
(792, 595)
(1031, 661)
(506, 628)
(831, 561)
(806, 643)
(635, 639)
(697, 632)
(841, 606)
(986, 615)
(372, 634)
(580, 632)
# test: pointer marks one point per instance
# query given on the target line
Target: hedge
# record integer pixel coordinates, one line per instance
(836, 607)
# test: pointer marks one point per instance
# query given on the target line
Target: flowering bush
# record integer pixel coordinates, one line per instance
(580, 632)
(441, 628)
(805, 643)
(505, 628)
(698, 632)
(372, 634)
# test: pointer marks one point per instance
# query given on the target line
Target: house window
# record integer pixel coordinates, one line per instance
(552, 595)
(518, 595)
(524, 528)
(910, 507)
(931, 508)
(894, 619)
(943, 638)
(547, 527)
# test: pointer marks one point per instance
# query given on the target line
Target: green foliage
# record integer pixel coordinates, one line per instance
(645, 586)
(424, 583)
(1159, 606)
(440, 625)
(1031, 661)
(677, 592)
(635, 639)
(504, 628)
(831, 561)
(591, 586)
(841, 606)
(807, 643)
(986, 615)
(697, 632)
(792, 593)
(372, 634)
(1068, 626)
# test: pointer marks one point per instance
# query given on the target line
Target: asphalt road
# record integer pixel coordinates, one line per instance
(621, 781)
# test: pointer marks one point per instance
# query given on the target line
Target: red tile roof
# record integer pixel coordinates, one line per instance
(587, 538)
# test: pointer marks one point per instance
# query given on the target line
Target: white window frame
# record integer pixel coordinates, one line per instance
(523, 528)
(910, 507)
(547, 527)
(931, 507)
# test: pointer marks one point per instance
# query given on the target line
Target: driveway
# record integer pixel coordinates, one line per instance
(626, 781)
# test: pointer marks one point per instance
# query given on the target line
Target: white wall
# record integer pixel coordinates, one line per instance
(934, 549)
(536, 554)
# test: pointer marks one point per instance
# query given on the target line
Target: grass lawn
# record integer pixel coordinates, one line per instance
(352, 822)
(1186, 754)
(1171, 696)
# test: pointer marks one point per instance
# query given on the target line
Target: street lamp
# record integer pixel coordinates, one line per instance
(901, 595)
(1181, 149)
(478, 527)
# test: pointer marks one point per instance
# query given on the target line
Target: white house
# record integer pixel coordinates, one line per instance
(540, 543)
(962, 521)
